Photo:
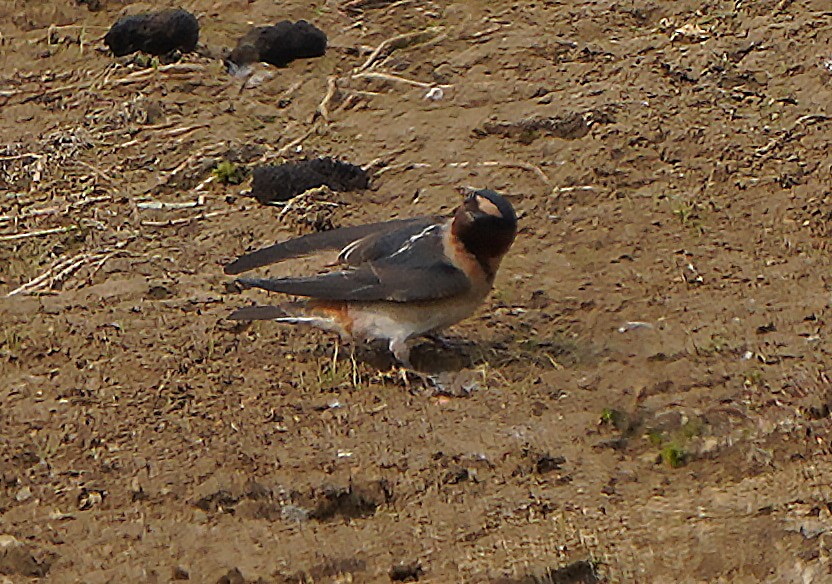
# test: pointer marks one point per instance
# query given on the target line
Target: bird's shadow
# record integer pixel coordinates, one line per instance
(433, 357)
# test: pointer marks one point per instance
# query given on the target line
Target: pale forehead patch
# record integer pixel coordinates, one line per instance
(488, 207)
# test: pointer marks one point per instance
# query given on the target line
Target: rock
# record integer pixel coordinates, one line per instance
(234, 576)
(19, 558)
(157, 33)
(284, 181)
(180, 573)
(278, 45)
(23, 494)
(404, 572)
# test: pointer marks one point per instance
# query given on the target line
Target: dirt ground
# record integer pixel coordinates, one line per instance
(644, 398)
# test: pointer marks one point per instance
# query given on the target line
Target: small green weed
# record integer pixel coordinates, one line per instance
(674, 456)
(228, 173)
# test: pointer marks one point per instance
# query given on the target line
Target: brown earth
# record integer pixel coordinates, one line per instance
(645, 398)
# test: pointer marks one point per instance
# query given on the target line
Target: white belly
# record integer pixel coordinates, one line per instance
(403, 321)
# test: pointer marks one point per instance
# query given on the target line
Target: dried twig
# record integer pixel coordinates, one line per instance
(19, 156)
(184, 220)
(357, 5)
(98, 172)
(302, 200)
(560, 190)
(145, 74)
(42, 232)
(291, 145)
(400, 42)
(204, 152)
(60, 270)
(183, 130)
(331, 90)
(789, 134)
(53, 210)
(482, 33)
(388, 77)
(161, 205)
(509, 163)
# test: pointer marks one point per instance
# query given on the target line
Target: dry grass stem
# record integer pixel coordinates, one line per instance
(399, 42)
(184, 220)
(41, 233)
(61, 269)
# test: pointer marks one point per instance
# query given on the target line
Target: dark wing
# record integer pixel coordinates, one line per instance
(367, 284)
(415, 271)
(384, 243)
(325, 240)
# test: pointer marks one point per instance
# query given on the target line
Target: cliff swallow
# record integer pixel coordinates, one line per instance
(399, 279)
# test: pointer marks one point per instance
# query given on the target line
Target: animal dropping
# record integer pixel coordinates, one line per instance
(281, 182)
(277, 45)
(156, 33)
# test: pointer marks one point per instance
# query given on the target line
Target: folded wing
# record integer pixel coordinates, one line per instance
(366, 242)
(370, 283)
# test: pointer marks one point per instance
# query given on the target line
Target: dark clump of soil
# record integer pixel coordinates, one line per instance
(157, 33)
(353, 502)
(570, 126)
(581, 572)
(22, 559)
(406, 572)
(330, 570)
(278, 45)
(284, 181)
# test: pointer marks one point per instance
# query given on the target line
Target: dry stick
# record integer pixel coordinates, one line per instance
(323, 107)
(19, 156)
(297, 141)
(74, 266)
(28, 234)
(290, 91)
(35, 282)
(294, 201)
(400, 42)
(560, 190)
(59, 270)
(184, 220)
(202, 152)
(482, 33)
(144, 74)
(512, 164)
(161, 205)
(362, 4)
(32, 213)
(183, 130)
(99, 173)
(788, 135)
(396, 78)
(400, 166)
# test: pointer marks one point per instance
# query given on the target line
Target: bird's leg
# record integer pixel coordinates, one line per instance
(401, 351)
(354, 365)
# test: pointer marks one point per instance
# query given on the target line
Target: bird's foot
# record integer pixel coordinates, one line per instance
(448, 343)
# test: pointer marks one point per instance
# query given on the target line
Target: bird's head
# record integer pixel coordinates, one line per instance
(486, 224)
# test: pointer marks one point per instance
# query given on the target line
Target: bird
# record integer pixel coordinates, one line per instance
(399, 279)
